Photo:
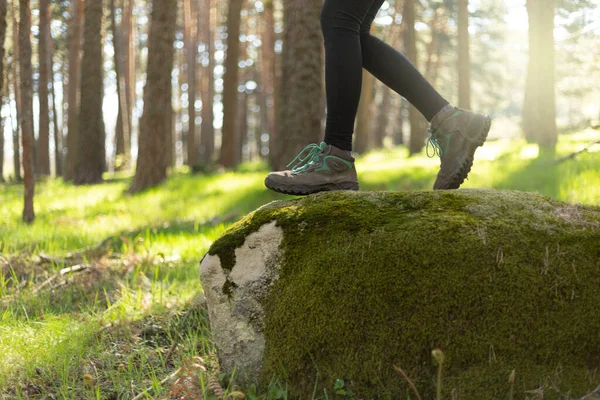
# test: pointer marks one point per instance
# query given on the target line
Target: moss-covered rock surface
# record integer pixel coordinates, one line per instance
(499, 281)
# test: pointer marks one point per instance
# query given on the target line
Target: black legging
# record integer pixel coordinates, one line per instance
(349, 46)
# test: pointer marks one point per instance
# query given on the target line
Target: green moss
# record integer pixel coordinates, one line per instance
(497, 280)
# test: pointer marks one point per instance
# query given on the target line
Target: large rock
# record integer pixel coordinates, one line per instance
(347, 284)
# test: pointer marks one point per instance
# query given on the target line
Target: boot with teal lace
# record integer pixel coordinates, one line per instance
(455, 135)
(317, 168)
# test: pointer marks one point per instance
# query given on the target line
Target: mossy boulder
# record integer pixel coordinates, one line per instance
(348, 284)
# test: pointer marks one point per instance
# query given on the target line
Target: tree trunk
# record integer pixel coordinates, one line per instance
(230, 141)
(26, 118)
(74, 80)
(122, 133)
(539, 108)
(128, 74)
(399, 131)
(417, 134)
(363, 136)
(207, 138)
(464, 58)
(191, 50)
(91, 148)
(17, 91)
(267, 70)
(3, 11)
(383, 117)
(300, 112)
(43, 142)
(155, 124)
(57, 130)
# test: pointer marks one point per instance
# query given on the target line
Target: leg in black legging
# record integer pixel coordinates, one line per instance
(341, 21)
(348, 48)
(393, 69)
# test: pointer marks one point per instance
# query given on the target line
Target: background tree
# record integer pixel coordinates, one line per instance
(417, 133)
(3, 10)
(43, 142)
(230, 141)
(16, 91)
(26, 117)
(207, 138)
(155, 124)
(122, 132)
(91, 151)
(75, 23)
(300, 101)
(191, 51)
(464, 58)
(539, 107)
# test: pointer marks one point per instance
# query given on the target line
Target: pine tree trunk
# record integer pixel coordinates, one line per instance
(267, 69)
(539, 108)
(155, 124)
(43, 143)
(57, 130)
(207, 138)
(74, 82)
(17, 92)
(3, 87)
(90, 160)
(300, 112)
(230, 141)
(191, 50)
(26, 118)
(122, 133)
(363, 136)
(464, 58)
(383, 117)
(398, 136)
(417, 133)
(128, 72)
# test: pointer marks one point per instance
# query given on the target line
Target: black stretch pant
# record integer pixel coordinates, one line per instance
(349, 46)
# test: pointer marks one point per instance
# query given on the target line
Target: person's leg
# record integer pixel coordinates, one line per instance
(395, 70)
(341, 22)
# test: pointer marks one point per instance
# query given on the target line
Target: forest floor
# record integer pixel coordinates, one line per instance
(101, 298)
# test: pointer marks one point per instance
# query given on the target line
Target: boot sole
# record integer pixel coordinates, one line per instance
(305, 190)
(461, 174)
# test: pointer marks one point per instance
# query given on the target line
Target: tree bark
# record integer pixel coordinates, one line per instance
(122, 152)
(26, 118)
(128, 74)
(363, 137)
(57, 130)
(43, 142)
(91, 147)
(230, 141)
(267, 70)
(464, 58)
(3, 11)
(17, 91)
(207, 134)
(155, 124)
(300, 112)
(74, 82)
(539, 108)
(191, 50)
(417, 134)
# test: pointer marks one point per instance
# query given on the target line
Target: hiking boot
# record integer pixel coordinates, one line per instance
(455, 135)
(317, 168)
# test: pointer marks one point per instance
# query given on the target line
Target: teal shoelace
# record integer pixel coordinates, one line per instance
(433, 143)
(306, 157)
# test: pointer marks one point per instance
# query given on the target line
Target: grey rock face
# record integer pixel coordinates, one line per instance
(234, 301)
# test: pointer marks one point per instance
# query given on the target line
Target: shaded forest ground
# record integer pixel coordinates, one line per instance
(86, 317)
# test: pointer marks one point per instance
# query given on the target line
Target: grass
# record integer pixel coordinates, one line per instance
(135, 313)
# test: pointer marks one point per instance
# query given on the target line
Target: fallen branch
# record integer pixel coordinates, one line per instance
(62, 272)
(587, 396)
(407, 379)
(573, 155)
